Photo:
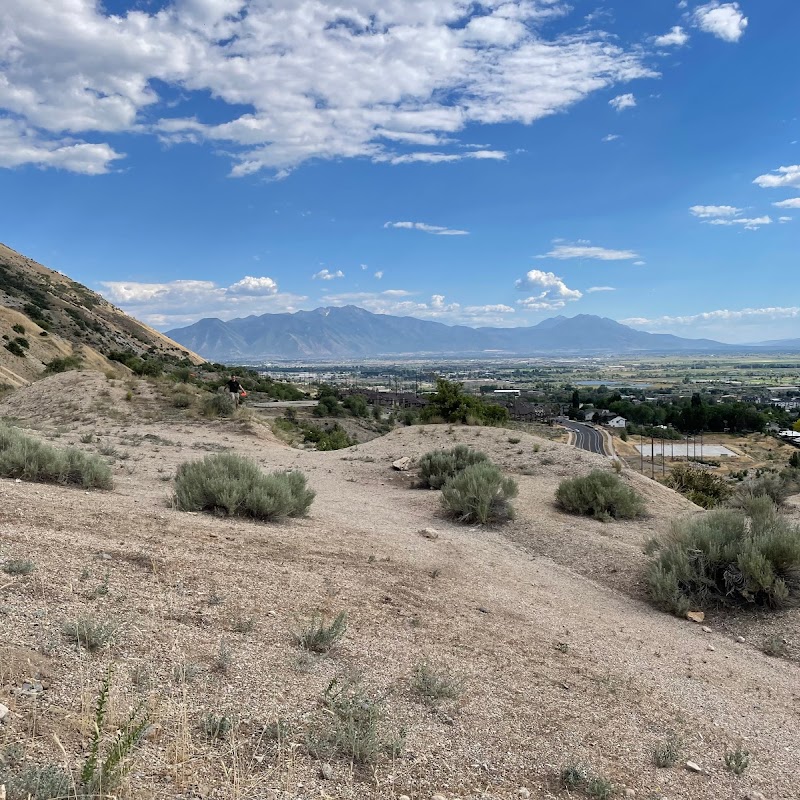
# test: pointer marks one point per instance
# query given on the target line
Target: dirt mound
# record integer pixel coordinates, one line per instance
(557, 658)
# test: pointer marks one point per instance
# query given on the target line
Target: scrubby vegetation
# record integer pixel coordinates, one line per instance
(480, 493)
(698, 485)
(601, 495)
(334, 437)
(450, 404)
(729, 557)
(319, 637)
(232, 485)
(438, 466)
(776, 486)
(218, 405)
(24, 457)
(62, 365)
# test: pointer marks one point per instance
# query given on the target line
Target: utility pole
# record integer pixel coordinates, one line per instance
(652, 457)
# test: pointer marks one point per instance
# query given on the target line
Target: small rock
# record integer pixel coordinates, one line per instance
(404, 797)
(524, 793)
(152, 733)
(695, 616)
(630, 793)
(706, 629)
(326, 770)
(438, 797)
(30, 689)
(711, 648)
(4, 712)
(692, 767)
(429, 533)
(755, 796)
(402, 464)
(740, 639)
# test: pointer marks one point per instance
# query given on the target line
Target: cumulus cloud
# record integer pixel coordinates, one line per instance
(724, 20)
(677, 37)
(437, 230)
(622, 101)
(779, 178)
(793, 202)
(327, 275)
(593, 289)
(611, 137)
(705, 212)
(553, 294)
(386, 76)
(746, 324)
(379, 274)
(399, 302)
(21, 144)
(175, 303)
(585, 250)
(783, 220)
(639, 263)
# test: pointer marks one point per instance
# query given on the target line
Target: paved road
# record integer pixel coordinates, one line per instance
(586, 437)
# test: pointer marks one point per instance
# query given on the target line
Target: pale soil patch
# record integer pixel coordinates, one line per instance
(542, 621)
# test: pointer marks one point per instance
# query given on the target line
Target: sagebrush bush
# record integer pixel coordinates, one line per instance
(777, 487)
(728, 557)
(181, 400)
(438, 466)
(601, 495)
(480, 493)
(236, 486)
(218, 405)
(27, 458)
(319, 637)
(698, 485)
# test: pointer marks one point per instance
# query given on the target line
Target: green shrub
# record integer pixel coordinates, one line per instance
(236, 486)
(181, 400)
(26, 458)
(62, 365)
(36, 783)
(90, 633)
(433, 686)
(18, 567)
(728, 557)
(776, 487)
(353, 726)
(317, 637)
(698, 485)
(18, 329)
(438, 466)
(601, 495)
(15, 349)
(794, 460)
(333, 438)
(218, 405)
(480, 493)
(450, 404)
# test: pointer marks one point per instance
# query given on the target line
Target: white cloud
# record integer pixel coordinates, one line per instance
(254, 286)
(743, 326)
(327, 275)
(21, 144)
(622, 101)
(554, 292)
(793, 202)
(593, 289)
(750, 224)
(783, 176)
(437, 230)
(724, 20)
(175, 303)
(705, 212)
(677, 37)
(442, 158)
(611, 137)
(782, 220)
(317, 79)
(584, 250)
(379, 274)
(639, 263)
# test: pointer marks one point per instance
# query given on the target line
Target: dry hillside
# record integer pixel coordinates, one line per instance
(541, 624)
(62, 317)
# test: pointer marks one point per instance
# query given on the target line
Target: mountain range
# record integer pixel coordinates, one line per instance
(348, 332)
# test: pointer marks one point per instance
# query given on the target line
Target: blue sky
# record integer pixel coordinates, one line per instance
(482, 164)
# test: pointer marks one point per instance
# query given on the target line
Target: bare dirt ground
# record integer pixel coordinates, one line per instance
(543, 622)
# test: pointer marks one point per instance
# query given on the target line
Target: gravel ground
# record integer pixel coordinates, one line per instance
(542, 623)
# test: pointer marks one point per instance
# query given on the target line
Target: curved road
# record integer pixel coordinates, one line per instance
(586, 437)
